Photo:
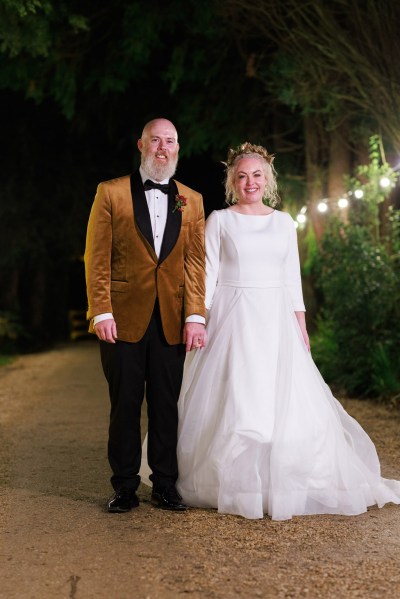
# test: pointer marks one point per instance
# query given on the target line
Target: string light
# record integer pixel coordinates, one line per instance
(343, 203)
(301, 217)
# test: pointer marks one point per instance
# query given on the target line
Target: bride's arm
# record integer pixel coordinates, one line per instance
(212, 243)
(293, 282)
(292, 274)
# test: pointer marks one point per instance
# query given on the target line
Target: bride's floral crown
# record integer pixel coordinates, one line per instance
(248, 148)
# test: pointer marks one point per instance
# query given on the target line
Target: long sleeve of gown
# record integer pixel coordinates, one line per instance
(213, 243)
(292, 276)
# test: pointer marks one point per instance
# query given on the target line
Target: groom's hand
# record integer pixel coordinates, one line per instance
(194, 335)
(106, 330)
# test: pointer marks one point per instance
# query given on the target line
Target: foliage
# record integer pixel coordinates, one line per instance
(5, 359)
(357, 270)
(10, 327)
(336, 59)
(59, 49)
(175, 59)
(11, 331)
(368, 179)
(358, 343)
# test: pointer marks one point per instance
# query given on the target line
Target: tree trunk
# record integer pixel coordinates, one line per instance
(314, 174)
(339, 161)
(339, 165)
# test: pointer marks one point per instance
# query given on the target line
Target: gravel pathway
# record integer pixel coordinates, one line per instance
(58, 542)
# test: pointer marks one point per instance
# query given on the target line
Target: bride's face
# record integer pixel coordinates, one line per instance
(249, 181)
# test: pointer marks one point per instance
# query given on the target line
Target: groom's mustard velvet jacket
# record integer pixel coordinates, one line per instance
(124, 275)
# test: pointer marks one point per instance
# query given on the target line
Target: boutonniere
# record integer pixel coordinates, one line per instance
(180, 203)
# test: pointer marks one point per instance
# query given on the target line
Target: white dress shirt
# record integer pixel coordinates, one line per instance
(157, 203)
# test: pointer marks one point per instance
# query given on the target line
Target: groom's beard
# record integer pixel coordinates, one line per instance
(159, 172)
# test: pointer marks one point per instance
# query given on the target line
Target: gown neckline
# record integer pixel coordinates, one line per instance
(242, 214)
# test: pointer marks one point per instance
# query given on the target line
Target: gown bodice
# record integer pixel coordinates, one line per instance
(253, 251)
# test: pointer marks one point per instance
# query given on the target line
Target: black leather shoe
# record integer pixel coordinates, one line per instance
(168, 499)
(122, 501)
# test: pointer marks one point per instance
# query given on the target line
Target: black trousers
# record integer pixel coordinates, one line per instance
(131, 369)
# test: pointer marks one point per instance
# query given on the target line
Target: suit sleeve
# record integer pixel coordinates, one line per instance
(212, 256)
(98, 254)
(292, 275)
(195, 269)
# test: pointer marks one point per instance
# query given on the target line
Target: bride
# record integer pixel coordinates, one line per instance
(259, 430)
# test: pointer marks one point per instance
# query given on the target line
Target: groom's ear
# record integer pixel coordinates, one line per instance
(140, 144)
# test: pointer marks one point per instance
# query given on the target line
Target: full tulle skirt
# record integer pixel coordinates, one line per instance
(259, 430)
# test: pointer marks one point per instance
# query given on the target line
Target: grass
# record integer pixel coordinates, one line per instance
(6, 359)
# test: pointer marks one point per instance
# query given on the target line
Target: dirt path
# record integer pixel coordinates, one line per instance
(58, 542)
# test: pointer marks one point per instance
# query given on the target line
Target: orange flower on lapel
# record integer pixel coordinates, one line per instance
(180, 203)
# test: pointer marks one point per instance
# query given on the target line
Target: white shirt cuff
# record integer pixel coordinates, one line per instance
(101, 317)
(107, 315)
(196, 318)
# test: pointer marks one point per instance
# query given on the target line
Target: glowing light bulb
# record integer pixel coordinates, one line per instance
(303, 210)
(359, 193)
(296, 224)
(343, 203)
(301, 218)
(384, 182)
(322, 207)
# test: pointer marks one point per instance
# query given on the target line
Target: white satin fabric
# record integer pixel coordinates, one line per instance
(259, 430)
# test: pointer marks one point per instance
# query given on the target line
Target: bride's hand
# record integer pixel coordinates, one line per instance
(301, 319)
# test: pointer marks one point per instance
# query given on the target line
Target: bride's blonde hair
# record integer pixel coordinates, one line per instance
(248, 150)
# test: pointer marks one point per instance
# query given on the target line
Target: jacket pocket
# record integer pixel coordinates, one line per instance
(119, 286)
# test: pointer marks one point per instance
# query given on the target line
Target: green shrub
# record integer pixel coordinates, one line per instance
(10, 331)
(357, 344)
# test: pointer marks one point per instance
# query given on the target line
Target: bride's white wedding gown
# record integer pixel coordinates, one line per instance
(259, 430)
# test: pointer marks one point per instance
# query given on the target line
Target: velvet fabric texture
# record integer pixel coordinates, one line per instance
(128, 283)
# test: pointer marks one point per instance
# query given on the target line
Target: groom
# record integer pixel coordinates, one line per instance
(145, 276)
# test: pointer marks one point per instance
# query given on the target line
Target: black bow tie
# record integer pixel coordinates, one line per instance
(151, 185)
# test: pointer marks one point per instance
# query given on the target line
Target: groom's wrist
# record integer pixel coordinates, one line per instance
(196, 318)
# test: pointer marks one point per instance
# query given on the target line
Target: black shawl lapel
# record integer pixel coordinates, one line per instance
(140, 208)
(173, 224)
